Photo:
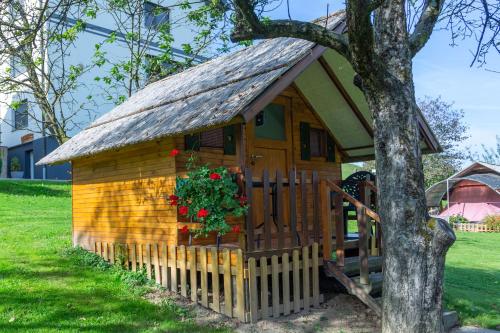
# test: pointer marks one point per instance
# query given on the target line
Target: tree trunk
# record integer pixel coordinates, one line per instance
(414, 244)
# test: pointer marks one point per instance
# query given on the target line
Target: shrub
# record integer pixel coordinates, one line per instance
(492, 222)
(458, 219)
(207, 196)
(15, 165)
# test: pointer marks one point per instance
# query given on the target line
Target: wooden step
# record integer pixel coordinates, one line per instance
(351, 265)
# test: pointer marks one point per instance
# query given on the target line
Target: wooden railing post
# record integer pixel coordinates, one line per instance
(326, 218)
(249, 216)
(339, 229)
(364, 278)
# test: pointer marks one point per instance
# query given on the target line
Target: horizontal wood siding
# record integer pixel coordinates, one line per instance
(120, 196)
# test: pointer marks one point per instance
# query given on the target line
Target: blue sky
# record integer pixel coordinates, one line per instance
(440, 70)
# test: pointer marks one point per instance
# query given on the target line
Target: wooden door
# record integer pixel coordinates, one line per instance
(270, 147)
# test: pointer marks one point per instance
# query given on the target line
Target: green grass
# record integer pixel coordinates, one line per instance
(43, 289)
(472, 278)
(348, 169)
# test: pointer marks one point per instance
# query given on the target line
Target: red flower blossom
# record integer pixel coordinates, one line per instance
(243, 200)
(183, 210)
(202, 213)
(214, 176)
(174, 152)
(236, 229)
(173, 199)
(184, 230)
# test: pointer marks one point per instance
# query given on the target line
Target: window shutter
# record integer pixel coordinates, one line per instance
(330, 149)
(305, 141)
(192, 142)
(229, 134)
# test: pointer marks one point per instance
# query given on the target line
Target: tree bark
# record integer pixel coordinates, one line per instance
(414, 244)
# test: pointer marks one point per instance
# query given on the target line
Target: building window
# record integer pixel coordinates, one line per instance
(16, 67)
(270, 123)
(21, 115)
(317, 139)
(155, 16)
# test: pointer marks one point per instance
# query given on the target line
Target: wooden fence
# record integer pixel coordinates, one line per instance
(224, 281)
(473, 227)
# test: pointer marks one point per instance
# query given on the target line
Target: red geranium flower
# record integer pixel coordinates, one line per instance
(214, 176)
(202, 213)
(183, 210)
(184, 230)
(174, 152)
(236, 229)
(243, 200)
(173, 199)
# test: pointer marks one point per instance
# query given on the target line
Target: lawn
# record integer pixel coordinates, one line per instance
(44, 290)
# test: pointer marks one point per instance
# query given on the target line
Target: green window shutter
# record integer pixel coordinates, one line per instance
(330, 149)
(192, 142)
(229, 134)
(305, 142)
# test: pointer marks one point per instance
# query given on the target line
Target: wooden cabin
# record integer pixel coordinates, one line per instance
(282, 116)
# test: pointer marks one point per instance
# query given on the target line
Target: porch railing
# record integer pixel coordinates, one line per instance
(297, 194)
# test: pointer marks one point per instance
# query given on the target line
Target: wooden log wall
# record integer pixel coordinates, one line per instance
(223, 280)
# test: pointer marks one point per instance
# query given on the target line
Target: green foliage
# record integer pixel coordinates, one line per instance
(457, 219)
(208, 196)
(15, 165)
(492, 222)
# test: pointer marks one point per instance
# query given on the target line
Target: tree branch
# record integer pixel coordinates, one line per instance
(425, 25)
(251, 27)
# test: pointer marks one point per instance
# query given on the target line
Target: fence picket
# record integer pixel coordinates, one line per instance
(305, 277)
(228, 294)
(164, 265)
(264, 297)
(156, 263)
(285, 274)
(148, 260)
(173, 269)
(182, 268)
(252, 286)
(133, 257)
(305, 226)
(204, 277)
(215, 280)
(315, 274)
(240, 285)
(296, 281)
(193, 275)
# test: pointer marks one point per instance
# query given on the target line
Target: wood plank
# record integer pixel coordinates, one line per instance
(182, 269)
(141, 257)
(193, 274)
(305, 277)
(215, 280)
(316, 206)
(99, 249)
(204, 277)
(174, 285)
(267, 209)
(228, 295)
(305, 226)
(156, 262)
(240, 286)
(133, 257)
(126, 258)
(364, 278)
(148, 261)
(279, 208)
(105, 251)
(164, 265)
(249, 216)
(339, 229)
(252, 290)
(315, 274)
(296, 281)
(293, 207)
(275, 286)
(285, 263)
(326, 219)
(112, 253)
(264, 294)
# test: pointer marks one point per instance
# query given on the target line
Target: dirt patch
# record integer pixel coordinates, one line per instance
(341, 313)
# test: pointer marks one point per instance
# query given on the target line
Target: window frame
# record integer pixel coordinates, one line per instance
(321, 136)
(150, 17)
(16, 113)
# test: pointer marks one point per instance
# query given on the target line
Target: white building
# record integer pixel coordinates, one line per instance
(26, 141)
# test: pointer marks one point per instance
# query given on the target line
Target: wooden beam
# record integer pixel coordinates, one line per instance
(272, 91)
(345, 95)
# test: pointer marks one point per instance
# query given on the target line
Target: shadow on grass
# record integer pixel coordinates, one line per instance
(60, 295)
(474, 294)
(35, 188)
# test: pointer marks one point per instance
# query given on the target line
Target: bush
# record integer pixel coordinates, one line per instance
(492, 222)
(15, 165)
(458, 219)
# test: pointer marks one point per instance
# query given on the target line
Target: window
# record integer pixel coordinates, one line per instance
(221, 138)
(155, 15)
(21, 115)
(270, 123)
(317, 139)
(16, 66)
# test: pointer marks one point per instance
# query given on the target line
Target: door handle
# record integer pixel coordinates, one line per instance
(253, 156)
